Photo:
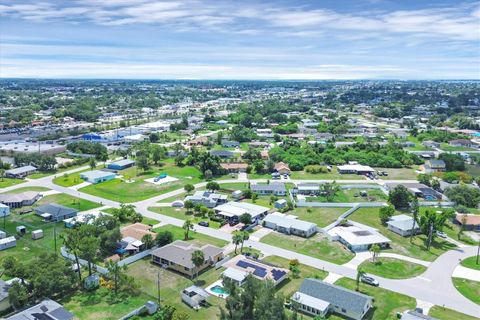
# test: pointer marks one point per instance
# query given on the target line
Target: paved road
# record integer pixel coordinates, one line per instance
(434, 285)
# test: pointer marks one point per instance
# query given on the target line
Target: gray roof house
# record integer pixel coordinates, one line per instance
(289, 225)
(434, 166)
(277, 189)
(402, 224)
(45, 310)
(4, 302)
(318, 298)
(230, 144)
(208, 199)
(20, 172)
(222, 153)
(17, 200)
(55, 212)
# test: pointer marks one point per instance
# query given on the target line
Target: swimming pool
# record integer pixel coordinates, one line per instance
(219, 290)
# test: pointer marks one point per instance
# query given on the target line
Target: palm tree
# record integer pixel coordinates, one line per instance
(187, 226)
(115, 272)
(237, 238)
(375, 249)
(2, 173)
(92, 163)
(71, 240)
(415, 208)
(198, 259)
(245, 236)
(360, 274)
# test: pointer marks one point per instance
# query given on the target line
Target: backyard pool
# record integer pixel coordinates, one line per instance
(219, 290)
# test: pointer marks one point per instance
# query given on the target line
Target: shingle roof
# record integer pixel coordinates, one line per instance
(402, 222)
(180, 252)
(54, 209)
(336, 295)
(268, 187)
(21, 170)
(18, 197)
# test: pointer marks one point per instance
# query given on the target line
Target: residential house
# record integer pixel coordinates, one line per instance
(354, 168)
(462, 143)
(431, 144)
(434, 166)
(415, 315)
(402, 224)
(121, 165)
(20, 172)
(178, 257)
(264, 154)
(45, 310)
(469, 221)
(18, 200)
(199, 141)
(224, 154)
(289, 224)
(4, 300)
(206, 198)
(230, 144)
(307, 189)
(233, 210)
(358, 237)
(194, 296)
(280, 204)
(418, 189)
(259, 144)
(277, 189)
(87, 217)
(55, 212)
(4, 210)
(97, 176)
(318, 298)
(266, 133)
(282, 168)
(239, 267)
(234, 167)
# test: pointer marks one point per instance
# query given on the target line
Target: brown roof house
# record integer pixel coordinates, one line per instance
(282, 168)
(178, 256)
(132, 237)
(470, 221)
(234, 167)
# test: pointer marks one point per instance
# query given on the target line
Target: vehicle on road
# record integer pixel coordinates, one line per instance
(369, 280)
(204, 224)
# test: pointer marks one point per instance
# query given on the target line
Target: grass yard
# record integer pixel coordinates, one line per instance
(471, 263)
(94, 305)
(334, 175)
(197, 238)
(181, 213)
(398, 173)
(393, 268)
(171, 285)
(447, 147)
(448, 314)
(38, 175)
(7, 182)
(126, 192)
(473, 170)
(290, 285)
(321, 216)
(317, 246)
(387, 303)
(27, 248)
(353, 195)
(20, 190)
(399, 244)
(468, 288)
(69, 201)
(69, 180)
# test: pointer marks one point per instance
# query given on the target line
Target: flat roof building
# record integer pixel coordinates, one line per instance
(97, 176)
(402, 224)
(358, 237)
(289, 225)
(45, 310)
(121, 165)
(233, 210)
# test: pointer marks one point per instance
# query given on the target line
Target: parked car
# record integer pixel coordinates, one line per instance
(204, 224)
(441, 234)
(369, 280)
(232, 223)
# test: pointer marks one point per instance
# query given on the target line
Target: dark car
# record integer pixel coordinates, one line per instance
(204, 223)
(232, 223)
(369, 280)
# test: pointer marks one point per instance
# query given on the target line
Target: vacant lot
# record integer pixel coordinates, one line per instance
(398, 173)
(20, 190)
(399, 244)
(317, 246)
(69, 201)
(181, 213)
(353, 195)
(448, 314)
(469, 288)
(393, 268)
(320, 216)
(387, 303)
(196, 238)
(172, 283)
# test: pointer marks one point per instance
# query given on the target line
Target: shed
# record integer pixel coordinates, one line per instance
(21, 229)
(8, 242)
(37, 234)
(237, 194)
(92, 282)
(280, 203)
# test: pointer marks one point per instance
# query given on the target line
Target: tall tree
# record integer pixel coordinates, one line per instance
(116, 273)
(71, 239)
(400, 197)
(415, 209)
(92, 163)
(187, 226)
(237, 238)
(198, 259)
(88, 249)
(360, 274)
(375, 250)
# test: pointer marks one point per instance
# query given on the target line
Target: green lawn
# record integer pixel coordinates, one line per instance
(198, 238)
(398, 173)
(317, 246)
(20, 190)
(473, 170)
(387, 303)
(126, 192)
(69, 201)
(27, 248)
(393, 268)
(447, 147)
(69, 180)
(290, 285)
(94, 305)
(448, 314)
(353, 195)
(7, 182)
(471, 263)
(469, 288)
(181, 213)
(320, 216)
(171, 285)
(399, 244)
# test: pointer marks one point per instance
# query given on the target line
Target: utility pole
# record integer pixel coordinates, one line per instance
(158, 288)
(478, 250)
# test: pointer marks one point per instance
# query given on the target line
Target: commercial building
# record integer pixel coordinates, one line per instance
(178, 257)
(318, 298)
(13, 147)
(289, 224)
(97, 176)
(121, 165)
(20, 172)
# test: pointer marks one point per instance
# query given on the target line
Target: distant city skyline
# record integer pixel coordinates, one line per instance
(257, 40)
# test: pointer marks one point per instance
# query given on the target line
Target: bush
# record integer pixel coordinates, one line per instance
(315, 169)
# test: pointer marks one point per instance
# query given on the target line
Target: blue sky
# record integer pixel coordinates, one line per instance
(204, 39)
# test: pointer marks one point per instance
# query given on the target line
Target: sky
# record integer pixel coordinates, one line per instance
(217, 39)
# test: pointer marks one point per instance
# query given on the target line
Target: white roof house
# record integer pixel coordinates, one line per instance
(358, 237)
(236, 209)
(289, 224)
(235, 274)
(354, 168)
(402, 225)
